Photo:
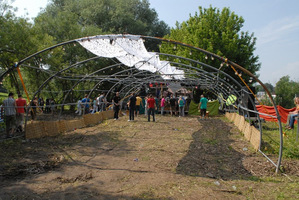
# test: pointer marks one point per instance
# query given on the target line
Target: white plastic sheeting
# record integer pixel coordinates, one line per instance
(130, 50)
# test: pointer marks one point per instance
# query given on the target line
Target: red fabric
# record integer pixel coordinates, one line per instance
(283, 112)
(21, 103)
(151, 103)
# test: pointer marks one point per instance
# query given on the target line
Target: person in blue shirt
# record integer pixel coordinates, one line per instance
(85, 102)
(203, 104)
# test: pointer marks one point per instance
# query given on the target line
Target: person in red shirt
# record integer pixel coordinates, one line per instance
(151, 105)
(21, 105)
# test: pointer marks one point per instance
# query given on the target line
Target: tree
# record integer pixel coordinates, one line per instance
(218, 32)
(269, 86)
(69, 19)
(285, 91)
(20, 39)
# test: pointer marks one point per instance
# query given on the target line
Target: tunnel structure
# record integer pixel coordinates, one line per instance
(135, 63)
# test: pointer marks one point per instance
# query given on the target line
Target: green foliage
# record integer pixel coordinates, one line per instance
(218, 32)
(18, 40)
(269, 87)
(2, 97)
(70, 19)
(286, 90)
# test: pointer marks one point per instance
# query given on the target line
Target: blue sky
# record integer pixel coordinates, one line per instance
(275, 24)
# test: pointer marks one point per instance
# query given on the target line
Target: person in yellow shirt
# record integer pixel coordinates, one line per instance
(138, 104)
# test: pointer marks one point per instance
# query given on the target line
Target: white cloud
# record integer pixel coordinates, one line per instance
(277, 30)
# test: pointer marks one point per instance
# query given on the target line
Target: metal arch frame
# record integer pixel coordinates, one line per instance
(224, 60)
(227, 75)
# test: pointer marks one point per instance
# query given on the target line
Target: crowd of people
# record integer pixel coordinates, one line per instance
(152, 105)
(13, 111)
(87, 105)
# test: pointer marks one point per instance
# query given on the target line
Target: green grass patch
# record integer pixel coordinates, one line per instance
(271, 141)
(210, 141)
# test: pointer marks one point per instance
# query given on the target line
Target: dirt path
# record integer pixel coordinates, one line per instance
(173, 158)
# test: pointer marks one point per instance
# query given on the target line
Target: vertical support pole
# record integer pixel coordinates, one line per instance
(22, 81)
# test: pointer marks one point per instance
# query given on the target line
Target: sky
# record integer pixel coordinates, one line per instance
(275, 24)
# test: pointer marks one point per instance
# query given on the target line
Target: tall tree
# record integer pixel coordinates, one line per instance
(218, 32)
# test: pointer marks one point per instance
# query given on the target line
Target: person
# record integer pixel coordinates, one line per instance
(116, 103)
(162, 105)
(52, 105)
(47, 105)
(203, 106)
(145, 107)
(173, 103)
(94, 106)
(184, 105)
(41, 104)
(79, 107)
(294, 115)
(100, 102)
(10, 110)
(138, 103)
(104, 102)
(85, 102)
(21, 106)
(132, 107)
(151, 105)
(181, 106)
(296, 102)
(33, 105)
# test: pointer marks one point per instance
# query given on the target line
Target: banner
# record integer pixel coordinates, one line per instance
(213, 108)
(269, 110)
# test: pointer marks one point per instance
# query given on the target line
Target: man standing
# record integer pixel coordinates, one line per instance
(138, 103)
(116, 101)
(21, 105)
(132, 106)
(85, 102)
(79, 107)
(151, 104)
(173, 104)
(162, 105)
(100, 102)
(203, 106)
(10, 109)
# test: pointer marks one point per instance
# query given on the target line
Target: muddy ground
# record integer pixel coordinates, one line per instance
(172, 158)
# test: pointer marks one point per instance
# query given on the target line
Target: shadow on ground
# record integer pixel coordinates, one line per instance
(21, 159)
(211, 154)
(87, 191)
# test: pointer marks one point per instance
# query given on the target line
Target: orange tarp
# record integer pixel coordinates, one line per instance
(283, 112)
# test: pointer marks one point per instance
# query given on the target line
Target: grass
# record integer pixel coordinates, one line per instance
(271, 140)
